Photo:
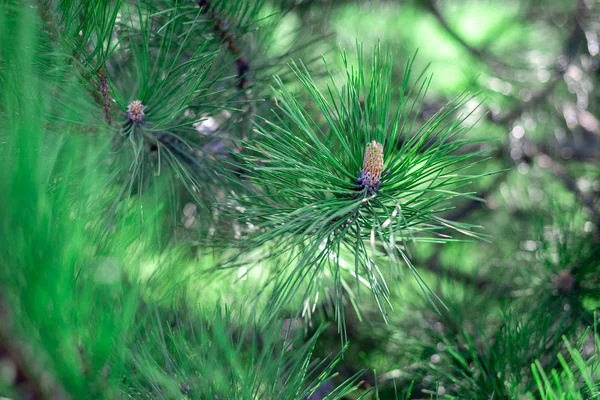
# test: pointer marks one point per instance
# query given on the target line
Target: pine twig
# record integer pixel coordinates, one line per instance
(221, 27)
(45, 11)
(106, 101)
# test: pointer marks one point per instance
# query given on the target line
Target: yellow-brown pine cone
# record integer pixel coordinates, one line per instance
(372, 165)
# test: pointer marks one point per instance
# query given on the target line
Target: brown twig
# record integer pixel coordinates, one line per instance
(55, 34)
(220, 26)
(434, 10)
(106, 101)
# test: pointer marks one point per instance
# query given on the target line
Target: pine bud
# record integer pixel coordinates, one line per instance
(370, 176)
(135, 111)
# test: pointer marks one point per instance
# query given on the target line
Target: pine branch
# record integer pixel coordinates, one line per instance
(222, 29)
(58, 36)
(536, 99)
(106, 100)
(562, 63)
(325, 211)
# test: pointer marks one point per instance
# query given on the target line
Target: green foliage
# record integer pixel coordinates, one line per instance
(72, 291)
(307, 173)
(173, 226)
(574, 380)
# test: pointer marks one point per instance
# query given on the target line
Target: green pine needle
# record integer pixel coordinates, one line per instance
(307, 171)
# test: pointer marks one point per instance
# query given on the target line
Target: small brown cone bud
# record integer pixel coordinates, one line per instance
(135, 111)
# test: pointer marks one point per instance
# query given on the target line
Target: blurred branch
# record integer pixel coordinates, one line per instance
(507, 119)
(476, 204)
(431, 6)
(569, 182)
(484, 56)
(563, 61)
(568, 52)
(560, 173)
(18, 363)
(518, 110)
(490, 287)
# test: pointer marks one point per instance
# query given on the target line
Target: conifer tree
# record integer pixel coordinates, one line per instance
(221, 199)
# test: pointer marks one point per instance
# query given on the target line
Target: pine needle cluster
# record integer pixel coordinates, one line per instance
(348, 194)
